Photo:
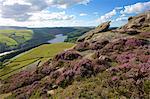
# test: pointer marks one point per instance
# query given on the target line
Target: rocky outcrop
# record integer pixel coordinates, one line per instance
(94, 45)
(145, 34)
(136, 24)
(82, 46)
(67, 55)
(101, 28)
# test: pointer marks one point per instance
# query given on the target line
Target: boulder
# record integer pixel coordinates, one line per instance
(136, 24)
(98, 44)
(101, 28)
(82, 46)
(67, 55)
(145, 34)
(51, 92)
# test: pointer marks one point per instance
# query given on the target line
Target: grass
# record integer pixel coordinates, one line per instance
(6, 40)
(15, 37)
(86, 88)
(32, 57)
(3, 96)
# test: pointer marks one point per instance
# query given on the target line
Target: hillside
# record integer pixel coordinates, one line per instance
(12, 38)
(102, 65)
(21, 39)
(17, 41)
(12, 28)
(73, 36)
(32, 58)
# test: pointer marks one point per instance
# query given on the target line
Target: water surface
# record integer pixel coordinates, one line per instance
(58, 38)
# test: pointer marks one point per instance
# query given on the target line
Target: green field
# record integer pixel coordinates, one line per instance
(30, 59)
(15, 37)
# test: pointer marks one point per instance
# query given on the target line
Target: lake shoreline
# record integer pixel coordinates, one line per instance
(58, 38)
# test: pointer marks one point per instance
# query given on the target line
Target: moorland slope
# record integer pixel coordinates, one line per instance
(104, 64)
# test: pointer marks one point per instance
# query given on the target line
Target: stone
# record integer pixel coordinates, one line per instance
(145, 34)
(101, 28)
(51, 92)
(82, 46)
(135, 24)
(67, 55)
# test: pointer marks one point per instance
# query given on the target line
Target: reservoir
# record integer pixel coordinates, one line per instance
(1, 54)
(58, 38)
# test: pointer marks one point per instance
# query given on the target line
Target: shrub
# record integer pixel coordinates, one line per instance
(1, 65)
(82, 46)
(145, 34)
(98, 45)
(133, 42)
(125, 57)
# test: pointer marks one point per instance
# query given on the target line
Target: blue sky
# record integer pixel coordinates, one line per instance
(63, 13)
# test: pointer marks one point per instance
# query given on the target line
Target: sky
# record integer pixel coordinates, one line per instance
(68, 13)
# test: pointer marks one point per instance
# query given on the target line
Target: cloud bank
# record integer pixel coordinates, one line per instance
(124, 12)
(22, 10)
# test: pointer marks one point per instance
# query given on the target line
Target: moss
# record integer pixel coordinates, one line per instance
(147, 86)
(36, 95)
(113, 64)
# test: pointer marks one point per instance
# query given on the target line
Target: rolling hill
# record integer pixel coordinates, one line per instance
(20, 39)
(12, 38)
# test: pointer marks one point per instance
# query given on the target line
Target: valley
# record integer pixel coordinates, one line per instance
(108, 61)
(18, 41)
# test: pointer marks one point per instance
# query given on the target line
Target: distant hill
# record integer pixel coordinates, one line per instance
(12, 37)
(20, 39)
(12, 28)
(58, 30)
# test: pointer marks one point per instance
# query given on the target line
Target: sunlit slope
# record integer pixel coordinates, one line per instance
(32, 58)
(15, 37)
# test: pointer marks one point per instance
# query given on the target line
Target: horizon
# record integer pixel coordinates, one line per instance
(64, 13)
(49, 27)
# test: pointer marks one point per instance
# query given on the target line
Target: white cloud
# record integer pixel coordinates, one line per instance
(124, 12)
(55, 16)
(96, 13)
(83, 14)
(12, 12)
(19, 10)
(12, 2)
(45, 23)
(121, 19)
(107, 16)
(66, 3)
(22, 10)
(136, 8)
(133, 9)
(118, 8)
